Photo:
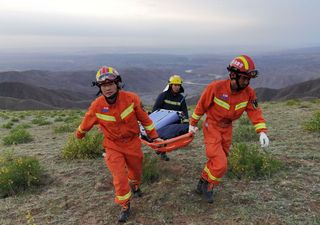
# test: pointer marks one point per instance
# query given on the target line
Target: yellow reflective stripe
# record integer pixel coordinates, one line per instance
(221, 103)
(124, 197)
(260, 126)
(150, 127)
(210, 175)
(172, 102)
(185, 120)
(81, 131)
(245, 62)
(105, 117)
(195, 116)
(127, 111)
(241, 105)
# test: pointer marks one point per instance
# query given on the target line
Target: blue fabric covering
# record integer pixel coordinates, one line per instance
(173, 130)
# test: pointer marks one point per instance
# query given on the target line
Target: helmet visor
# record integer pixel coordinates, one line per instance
(250, 74)
(107, 77)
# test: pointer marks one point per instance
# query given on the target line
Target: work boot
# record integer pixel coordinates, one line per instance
(199, 186)
(164, 156)
(207, 191)
(124, 214)
(136, 191)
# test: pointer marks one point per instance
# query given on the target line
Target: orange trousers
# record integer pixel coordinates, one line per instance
(124, 169)
(217, 143)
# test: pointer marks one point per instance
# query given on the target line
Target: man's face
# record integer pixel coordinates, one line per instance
(108, 89)
(244, 82)
(176, 88)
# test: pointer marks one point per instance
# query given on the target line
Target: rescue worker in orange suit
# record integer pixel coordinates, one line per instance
(172, 99)
(117, 113)
(223, 102)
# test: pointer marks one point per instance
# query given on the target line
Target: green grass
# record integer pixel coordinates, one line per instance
(313, 124)
(244, 133)
(247, 161)
(17, 136)
(41, 121)
(87, 148)
(150, 169)
(17, 173)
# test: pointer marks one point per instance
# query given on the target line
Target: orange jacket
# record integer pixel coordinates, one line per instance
(223, 106)
(119, 121)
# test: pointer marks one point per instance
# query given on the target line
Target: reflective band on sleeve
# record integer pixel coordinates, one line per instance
(241, 105)
(195, 116)
(210, 175)
(81, 131)
(172, 102)
(150, 127)
(221, 103)
(124, 197)
(260, 126)
(105, 117)
(127, 111)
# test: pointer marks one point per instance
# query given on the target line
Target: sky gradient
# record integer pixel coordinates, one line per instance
(193, 24)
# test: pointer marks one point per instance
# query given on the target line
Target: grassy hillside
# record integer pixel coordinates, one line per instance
(81, 191)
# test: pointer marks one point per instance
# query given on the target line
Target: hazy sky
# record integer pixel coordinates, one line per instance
(191, 24)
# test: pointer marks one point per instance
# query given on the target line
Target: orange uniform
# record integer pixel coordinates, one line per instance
(119, 124)
(222, 106)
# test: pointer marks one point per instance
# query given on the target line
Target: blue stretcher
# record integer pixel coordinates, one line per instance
(162, 118)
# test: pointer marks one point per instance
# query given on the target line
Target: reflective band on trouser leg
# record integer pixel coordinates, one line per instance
(116, 163)
(217, 163)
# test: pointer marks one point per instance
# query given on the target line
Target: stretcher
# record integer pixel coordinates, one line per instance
(163, 118)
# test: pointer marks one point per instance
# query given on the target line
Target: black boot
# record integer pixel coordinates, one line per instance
(136, 191)
(124, 214)
(207, 191)
(199, 186)
(164, 156)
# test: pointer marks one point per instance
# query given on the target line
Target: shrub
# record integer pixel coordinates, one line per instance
(314, 123)
(18, 173)
(249, 162)
(14, 120)
(244, 121)
(65, 128)
(23, 125)
(17, 136)
(150, 169)
(86, 148)
(7, 125)
(40, 121)
(293, 102)
(244, 133)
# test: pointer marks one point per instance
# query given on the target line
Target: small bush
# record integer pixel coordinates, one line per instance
(17, 136)
(40, 121)
(244, 133)
(7, 125)
(150, 169)
(293, 102)
(248, 162)
(14, 120)
(87, 148)
(65, 128)
(244, 121)
(23, 125)
(314, 123)
(18, 173)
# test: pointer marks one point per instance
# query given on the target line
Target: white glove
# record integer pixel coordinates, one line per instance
(264, 140)
(193, 129)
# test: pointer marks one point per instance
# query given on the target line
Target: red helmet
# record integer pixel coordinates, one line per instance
(243, 65)
(107, 74)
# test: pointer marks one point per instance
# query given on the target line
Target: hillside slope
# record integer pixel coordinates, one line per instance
(80, 192)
